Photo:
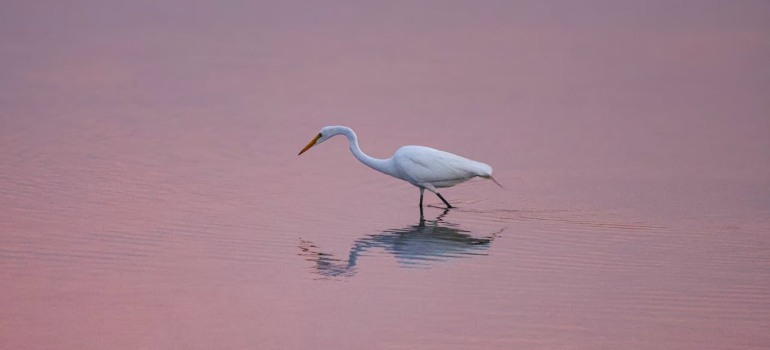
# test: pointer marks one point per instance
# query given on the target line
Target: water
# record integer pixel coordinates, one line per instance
(151, 196)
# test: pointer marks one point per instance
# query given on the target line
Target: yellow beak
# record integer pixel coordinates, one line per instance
(311, 144)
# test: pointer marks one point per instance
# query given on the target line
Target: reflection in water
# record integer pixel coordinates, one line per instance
(413, 246)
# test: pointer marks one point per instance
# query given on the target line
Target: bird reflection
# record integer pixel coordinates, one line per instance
(419, 245)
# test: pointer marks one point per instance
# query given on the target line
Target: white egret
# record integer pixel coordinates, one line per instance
(424, 167)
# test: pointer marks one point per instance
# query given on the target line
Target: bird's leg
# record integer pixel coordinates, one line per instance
(422, 219)
(422, 190)
(444, 200)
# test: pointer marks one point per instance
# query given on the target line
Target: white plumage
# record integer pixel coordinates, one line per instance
(424, 167)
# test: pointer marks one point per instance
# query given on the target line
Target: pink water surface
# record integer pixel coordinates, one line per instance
(151, 196)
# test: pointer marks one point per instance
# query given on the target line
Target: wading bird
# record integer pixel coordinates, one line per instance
(424, 167)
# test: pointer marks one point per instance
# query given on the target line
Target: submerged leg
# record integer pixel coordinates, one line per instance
(444, 200)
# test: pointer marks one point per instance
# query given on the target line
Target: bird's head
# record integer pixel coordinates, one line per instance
(326, 133)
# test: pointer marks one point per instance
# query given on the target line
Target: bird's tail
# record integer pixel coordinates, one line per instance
(495, 181)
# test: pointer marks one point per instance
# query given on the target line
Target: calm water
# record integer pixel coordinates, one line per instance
(151, 196)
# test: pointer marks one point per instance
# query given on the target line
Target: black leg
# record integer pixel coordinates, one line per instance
(421, 200)
(444, 200)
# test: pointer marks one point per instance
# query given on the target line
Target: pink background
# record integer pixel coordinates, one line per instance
(151, 196)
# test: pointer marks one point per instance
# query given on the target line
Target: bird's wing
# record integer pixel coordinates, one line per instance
(427, 165)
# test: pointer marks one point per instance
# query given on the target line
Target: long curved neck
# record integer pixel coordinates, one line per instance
(381, 165)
